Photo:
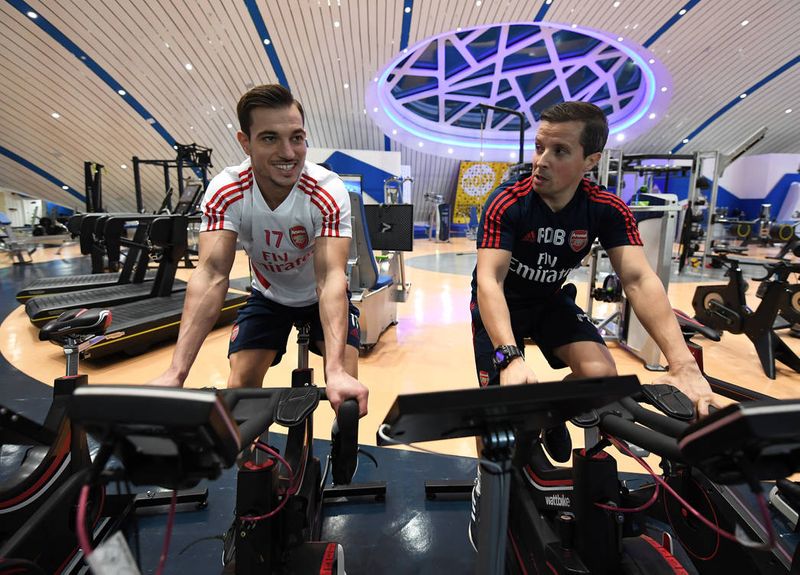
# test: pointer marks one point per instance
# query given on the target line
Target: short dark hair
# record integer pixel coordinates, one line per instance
(595, 123)
(270, 96)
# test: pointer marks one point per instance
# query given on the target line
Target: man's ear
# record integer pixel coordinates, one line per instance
(591, 160)
(244, 141)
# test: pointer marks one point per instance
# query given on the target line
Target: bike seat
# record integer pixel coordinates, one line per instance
(669, 400)
(296, 404)
(76, 323)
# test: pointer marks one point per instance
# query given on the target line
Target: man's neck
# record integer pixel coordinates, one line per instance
(559, 200)
(273, 195)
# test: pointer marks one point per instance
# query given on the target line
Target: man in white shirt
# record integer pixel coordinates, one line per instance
(293, 219)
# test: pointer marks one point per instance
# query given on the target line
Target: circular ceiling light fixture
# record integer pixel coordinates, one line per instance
(432, 91)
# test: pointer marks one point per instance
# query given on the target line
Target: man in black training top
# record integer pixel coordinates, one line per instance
(532, 233)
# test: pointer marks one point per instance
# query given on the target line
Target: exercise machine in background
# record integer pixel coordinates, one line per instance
(656, 215)
(724, 308)
(439, 220)
(377, 283)
(192, 156)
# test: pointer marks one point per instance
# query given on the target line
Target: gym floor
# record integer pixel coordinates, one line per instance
(428, 350)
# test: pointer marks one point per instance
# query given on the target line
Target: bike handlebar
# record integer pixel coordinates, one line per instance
(643, 437)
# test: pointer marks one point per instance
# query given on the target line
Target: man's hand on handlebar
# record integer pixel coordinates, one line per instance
(340, 386)
(517, 372)
(167, 379)
(689, 379)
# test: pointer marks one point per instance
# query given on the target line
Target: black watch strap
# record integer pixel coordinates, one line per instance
(505, 354)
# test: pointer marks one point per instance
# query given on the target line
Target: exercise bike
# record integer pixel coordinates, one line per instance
(584, 520)
(724, 308)
(38, 498)
(176, 437)
(50, 456)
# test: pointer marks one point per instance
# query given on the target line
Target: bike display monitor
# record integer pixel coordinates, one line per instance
(164, 436)
(757, 437)
(463, 413)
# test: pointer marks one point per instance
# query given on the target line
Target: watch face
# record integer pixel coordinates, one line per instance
(499, 356)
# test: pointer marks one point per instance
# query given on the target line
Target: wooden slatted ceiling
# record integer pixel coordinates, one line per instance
(711, 57)
(159, 40)
(47, 79)
(712, 64)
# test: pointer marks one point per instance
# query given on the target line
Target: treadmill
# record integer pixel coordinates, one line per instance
(167, 232)
(134, 270)
(137, 326)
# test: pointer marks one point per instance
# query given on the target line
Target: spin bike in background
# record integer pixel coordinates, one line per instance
(724, 308)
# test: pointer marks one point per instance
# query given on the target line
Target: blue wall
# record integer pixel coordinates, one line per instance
(750, 206)
(372, 178)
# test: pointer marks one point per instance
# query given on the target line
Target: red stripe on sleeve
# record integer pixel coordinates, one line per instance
(325, 208)
(610, 199)
(216, 213)
(335, 214)
(326, 231)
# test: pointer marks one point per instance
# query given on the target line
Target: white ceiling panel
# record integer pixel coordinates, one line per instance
(145, 47)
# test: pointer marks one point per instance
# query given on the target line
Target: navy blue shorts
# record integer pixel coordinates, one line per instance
(264, 324)
(551, 323)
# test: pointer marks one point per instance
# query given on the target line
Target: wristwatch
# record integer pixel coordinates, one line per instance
(504, 354)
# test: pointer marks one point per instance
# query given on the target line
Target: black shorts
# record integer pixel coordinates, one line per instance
(551, 323)
(264, 324)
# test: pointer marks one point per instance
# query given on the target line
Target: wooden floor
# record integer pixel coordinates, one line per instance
(430, 349)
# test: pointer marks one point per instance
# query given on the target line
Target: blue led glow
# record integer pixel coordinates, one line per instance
(588, 69)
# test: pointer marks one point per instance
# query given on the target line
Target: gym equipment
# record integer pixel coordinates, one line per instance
(177, 437)
(11, 244)
(147, 322)
(37, 500)
(48, 227)
(373, 293)
(585, 520)
(393, 189)
(656, 217)
(761, 230)
(191, 156)
(610, 291)
(786, 234)
(134, 270)
(724, 308)
(439, 220)
(497, 414)
(790, 208)
(731, 504)
(645, 168)
(93, 184)
(167, 234)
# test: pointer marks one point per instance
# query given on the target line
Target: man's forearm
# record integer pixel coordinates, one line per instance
(333, 314)
(494, 314)
(652, 307)
(204, 298)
